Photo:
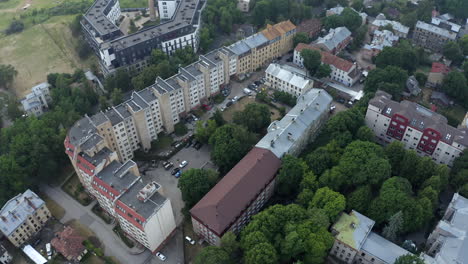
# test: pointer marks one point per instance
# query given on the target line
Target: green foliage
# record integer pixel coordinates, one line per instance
(364, 133)
(230, 143)
(453, 52)
(323, 71)
(220, 15)
(203, 132)
(255, 117)
(300, 37)
(421, 78)
(13, 109)
(463, 190)
(180, 129)
(359, 199)
(357, 4)
(391, 79)
(330, 201)
(7, 75)
(404, 56)
(263, 253)
(121, 80)
(285, 97)
(263, 97)
(458, 8)
(358, 37)
(205, 38)
(465, 68)
(116, 96)
(455, 85)
(324, 158)
(229, 243)
(218, 118)
(212, 255)
(409, 259)
(14, 27)
(463, 42)
(311, 60)
(394, 227)
(290, 175)
(195, 183)
(274, 11)
(348, 18)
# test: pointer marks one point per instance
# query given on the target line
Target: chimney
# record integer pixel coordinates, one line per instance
(152, 11)
(30, 203)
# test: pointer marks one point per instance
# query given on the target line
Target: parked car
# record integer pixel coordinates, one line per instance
(177, 175)
(160, 256)
(154, 163)
(169, 165)
(175, 170)
(332, 108)
(190, 240)
(178, 144)
(174, 143)
(251, 86)
(235, 98)
(198, 145)
(258, 83)
(189, 143)
(183, 164)
(340, 100)
(49, 251)
(195, 118)
(223, 108)
(37, 242)
(229, 103)
(247, 91)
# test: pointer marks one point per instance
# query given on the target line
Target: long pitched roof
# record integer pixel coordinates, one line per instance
(220, 207)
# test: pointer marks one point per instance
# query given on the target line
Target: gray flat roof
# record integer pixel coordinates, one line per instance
(98, 157)
(382, 248)
(117, 175)
(145, 209)
(91, 142)
(113, 116)
(80, 131)
(436, 30)
(245, 45)
(97, 18)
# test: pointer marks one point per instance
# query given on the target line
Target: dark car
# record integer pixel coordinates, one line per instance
(174, 143)
(198, 145)
(175, 170)
(251, 86)
(229, 103)
(340, 100)
(258, 83)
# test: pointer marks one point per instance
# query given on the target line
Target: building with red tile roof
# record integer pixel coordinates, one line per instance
(70, 244)
(311, 27)
(437, 74)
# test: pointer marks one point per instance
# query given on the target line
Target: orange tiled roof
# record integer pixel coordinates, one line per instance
(274, 31)
(328, 58)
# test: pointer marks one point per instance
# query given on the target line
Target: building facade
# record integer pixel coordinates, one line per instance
(38, 100)
(397, 28)
(448, 242)
(417, 127)
(115, 49)
(22, 217)
(433, 37)
(287, 79)
(335, 41)
(380, 40)
(356, 243)
(343, 71)
(5, 257)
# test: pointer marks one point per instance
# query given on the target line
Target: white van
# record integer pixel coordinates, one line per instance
(247, 91)
(49, 251)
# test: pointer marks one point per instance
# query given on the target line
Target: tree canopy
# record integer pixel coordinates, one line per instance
(348, 18)
(195, 183)
(255, 117)
(311, 60)
(455, 85)
(7, 75)
(390, 79)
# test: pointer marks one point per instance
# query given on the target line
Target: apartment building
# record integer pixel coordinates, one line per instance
(167, 9)
(397, 28)
(298, 128)
(433, 37)
(22, 217)
(5, 257)
(287, 79)
(356, 243)
(116, 49)
(38, 100)
(335, 41)
(417, 127)
(311, 27)
(380, 40)
(240, 194)
(255, 51)
(343, 71)
(448, 242)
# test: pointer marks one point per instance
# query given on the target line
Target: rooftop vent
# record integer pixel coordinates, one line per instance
(147, 191)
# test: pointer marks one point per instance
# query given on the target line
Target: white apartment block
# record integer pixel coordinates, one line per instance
(416, 127)
(381, 21)
(22, 217)
(288, 79)
(243, 5)
(38, 100)
(167, 9)
(5, 257)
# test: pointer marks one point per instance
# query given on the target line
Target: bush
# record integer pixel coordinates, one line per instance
(14, 27)
(180, 129)
(285, 97)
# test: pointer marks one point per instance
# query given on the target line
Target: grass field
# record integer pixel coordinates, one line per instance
(133, 3)
(40, 50)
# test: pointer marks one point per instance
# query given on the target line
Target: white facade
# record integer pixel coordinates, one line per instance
(114, 13)
(160, 225)
(287, 79)
(38, 100)
(5, 257)
(167, 8)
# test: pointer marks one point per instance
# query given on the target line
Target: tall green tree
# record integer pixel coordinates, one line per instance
(195, 183)
(300, 37)
(290, 175)
(212, 255)
(263, 253)
(394, 227)
(255, 117)
(453, 52)
(312, 60)
(455, 85)
(409, 259)
(330, 201)
(7, 75)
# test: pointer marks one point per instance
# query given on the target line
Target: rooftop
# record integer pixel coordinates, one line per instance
(220, 207)
(144, 198)
(334, 37)
(118, 176)
(381, 39)
(282, 134)
(438, 67)
(382, 248)
(353, 229)
(17, 210)
(245, 45)
(69, 243)
(381, 21)
(328, 58)
(436, 30)
(296, 78)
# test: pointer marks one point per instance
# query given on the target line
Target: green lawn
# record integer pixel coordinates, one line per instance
(133, 3)
(9, 4)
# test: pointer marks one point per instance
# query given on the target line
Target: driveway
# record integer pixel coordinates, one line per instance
(113, 246)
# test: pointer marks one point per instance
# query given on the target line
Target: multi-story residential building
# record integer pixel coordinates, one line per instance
(343, 71)
(437, 74)
(397, 28)
(38, 100)
(339, 9)
(231, 203)
(167, 9)
(240, 194)
(5, 257)
(448, 243)
(433, 37)
(255, 51)
(335, 41)
(22, 217)
(288, 79)
(356, 243)
(380, 40)
(416, 127)
(291, 134)
(116, 49)
(311, 27)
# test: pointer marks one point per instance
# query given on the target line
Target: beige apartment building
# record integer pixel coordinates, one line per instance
(22, 217)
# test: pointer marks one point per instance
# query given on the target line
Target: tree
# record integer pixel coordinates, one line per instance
(300, 37)
(463, 190)
(364, 133)
(348, 18)
(323, 71)
(395, 153)
(455, 85)
(358, 37)
(212, 255)
(7, 75)
(409, 19)
(180, 129)
(255, 117)
(132, 28)
(403, 56)
(230, 144)
(391, 75)
(195, 183)
(464, 44)
(395, 224)
(324, 158)
(218, 118)
(290, 175)
(285, 97)
(357, 5)
(205, 38)
(251, 239)
(359, 199)
(14, 27)
(331, 202)
(263, 253)
(409, 259)
(465, 68)
(13, 110)
(421, 78)
(202, 132)
(453, 52)
(104, 104)
(311, 59)
(116, 96)
(229, 243)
